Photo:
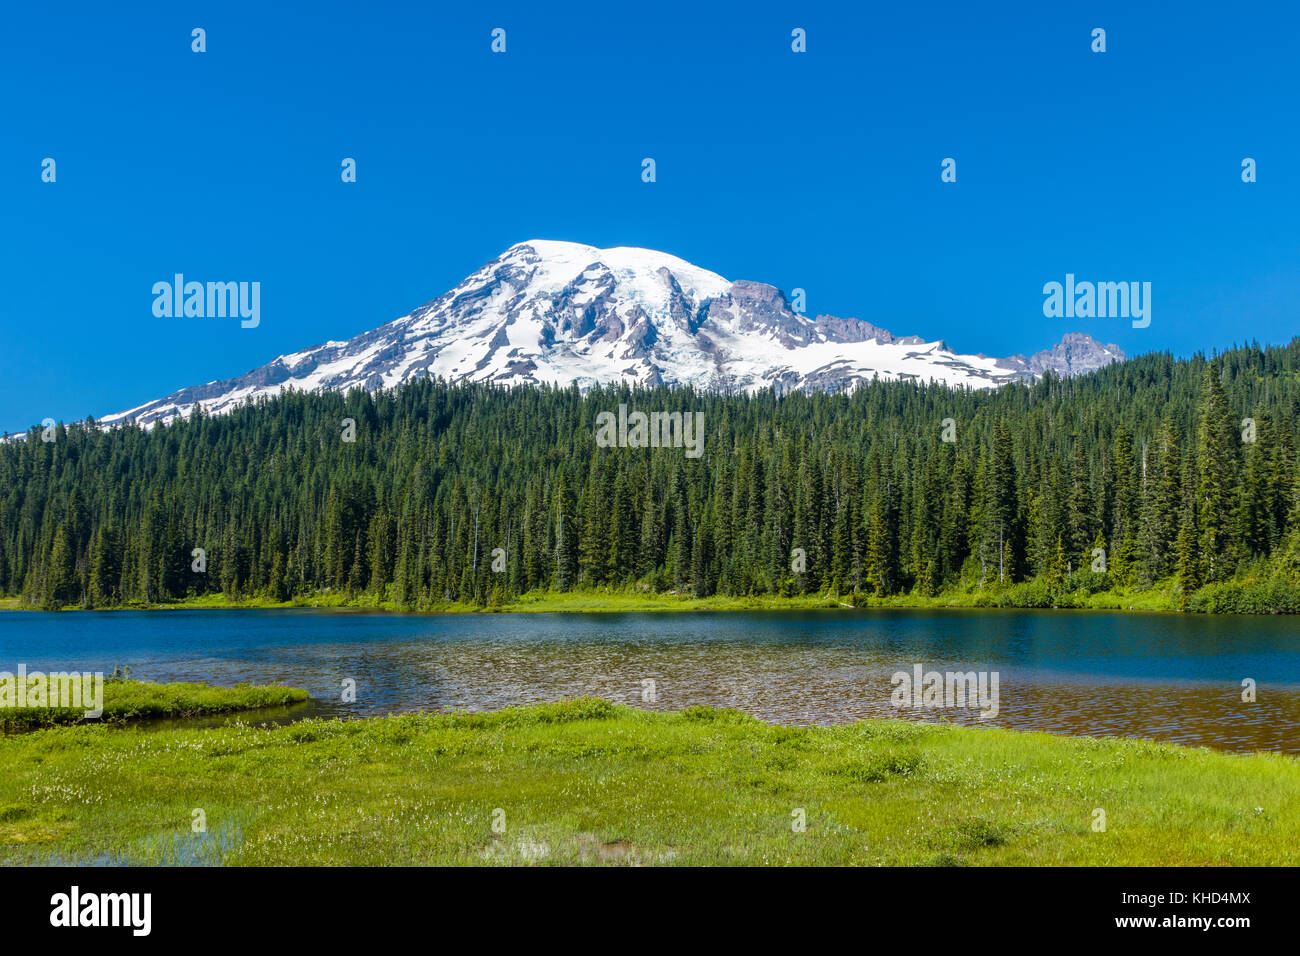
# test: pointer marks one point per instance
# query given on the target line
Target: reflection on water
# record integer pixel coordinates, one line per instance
(1169, 677)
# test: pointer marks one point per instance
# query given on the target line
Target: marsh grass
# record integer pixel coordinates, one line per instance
(126, 700)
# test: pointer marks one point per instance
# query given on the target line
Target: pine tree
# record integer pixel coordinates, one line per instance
(1216, 451)
(1162, 492)
(566, 545)
(1124, 525)
(61, 585)
(1080, 517)
(1002, 504)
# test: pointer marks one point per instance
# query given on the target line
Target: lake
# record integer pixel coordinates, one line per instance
(1170, 677)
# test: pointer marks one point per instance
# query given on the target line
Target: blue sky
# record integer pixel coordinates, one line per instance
(816, 170)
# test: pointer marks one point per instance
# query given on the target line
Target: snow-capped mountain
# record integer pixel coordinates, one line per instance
(560, 312)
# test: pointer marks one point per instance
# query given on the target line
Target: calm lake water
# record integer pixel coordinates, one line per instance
(1169, 677)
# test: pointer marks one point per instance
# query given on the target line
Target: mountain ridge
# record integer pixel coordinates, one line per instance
(561, 312)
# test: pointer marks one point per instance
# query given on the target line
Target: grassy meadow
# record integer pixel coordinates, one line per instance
(590, 782)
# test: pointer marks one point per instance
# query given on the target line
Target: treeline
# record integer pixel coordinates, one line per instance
(1140, 473)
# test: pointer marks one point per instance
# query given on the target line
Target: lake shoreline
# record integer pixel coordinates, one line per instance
(617, 603)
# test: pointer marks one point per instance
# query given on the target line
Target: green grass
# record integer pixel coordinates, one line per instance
(590, 782)
(622, 601)
(1161, 596)
(126, 700)
(603, 600)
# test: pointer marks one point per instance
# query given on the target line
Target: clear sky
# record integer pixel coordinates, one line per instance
(818, 170)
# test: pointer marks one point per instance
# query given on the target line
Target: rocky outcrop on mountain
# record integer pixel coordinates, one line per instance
(1075, 354)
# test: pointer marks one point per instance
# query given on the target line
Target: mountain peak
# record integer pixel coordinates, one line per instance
(552, 311)
(557, 259)
(1076, 354)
